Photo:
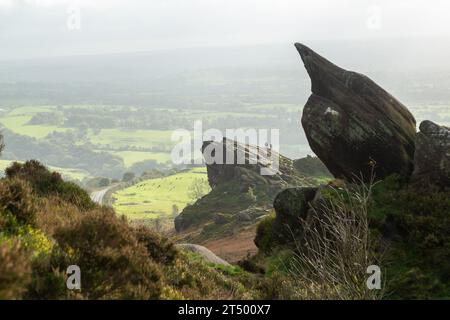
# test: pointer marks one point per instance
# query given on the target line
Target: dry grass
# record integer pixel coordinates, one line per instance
(337, 248)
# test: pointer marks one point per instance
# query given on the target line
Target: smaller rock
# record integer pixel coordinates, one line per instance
(206, 254)
(432, 156)
(291, 206)
(220, 218)
(244, 216)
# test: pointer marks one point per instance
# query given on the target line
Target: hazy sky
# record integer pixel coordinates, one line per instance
(33, 28)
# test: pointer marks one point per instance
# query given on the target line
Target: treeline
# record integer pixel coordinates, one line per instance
(62, 153)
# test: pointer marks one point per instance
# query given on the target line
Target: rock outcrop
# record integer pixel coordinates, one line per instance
(352, 124)
(432, 156)
(291, 207)
(239, 189)
(250, 166)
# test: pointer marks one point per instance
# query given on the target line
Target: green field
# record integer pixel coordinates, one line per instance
(155, 198)
(67, 173)
(132, 157)
(17, 120)
(119, 138)
(18, 124)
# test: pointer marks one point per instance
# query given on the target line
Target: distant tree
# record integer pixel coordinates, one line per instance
(104, 182)
(2, 144)
(128, 176)
(198, 189)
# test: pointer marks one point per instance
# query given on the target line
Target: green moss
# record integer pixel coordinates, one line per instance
(418, 226)
(264, 234)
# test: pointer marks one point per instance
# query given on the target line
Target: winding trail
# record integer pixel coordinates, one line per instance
(97, 196)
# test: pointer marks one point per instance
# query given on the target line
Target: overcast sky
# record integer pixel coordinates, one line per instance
(37, 28)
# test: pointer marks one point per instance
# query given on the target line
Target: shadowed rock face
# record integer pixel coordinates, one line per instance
(352, 123)
(432, 158)
(231, 183)
(291, 206)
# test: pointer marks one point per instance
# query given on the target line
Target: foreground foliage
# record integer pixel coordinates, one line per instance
(47, 224)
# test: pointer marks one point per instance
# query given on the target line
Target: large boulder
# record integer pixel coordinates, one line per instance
(250, 166)
(251, 180)
(432, 157)
(352, 124)
(291, 207)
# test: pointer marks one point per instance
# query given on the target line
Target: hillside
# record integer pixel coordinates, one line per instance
(160, 199)
(293, 232)
(225, 219)
(47, 224)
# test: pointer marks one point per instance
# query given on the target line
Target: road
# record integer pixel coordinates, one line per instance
(97, 196)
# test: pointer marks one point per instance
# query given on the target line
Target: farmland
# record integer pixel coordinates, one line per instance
(156, 198)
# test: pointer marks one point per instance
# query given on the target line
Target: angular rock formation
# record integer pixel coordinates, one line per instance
(352, 123)
(239, 186)
(432, 156)
(248, 164)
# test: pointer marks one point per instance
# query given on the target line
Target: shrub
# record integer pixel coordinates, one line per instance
(128, 176)
(192, 278)
(113, 264)
(46, 183)
(48, 277)
(417, 224)
(17, 199)
(160, 249)
(15, 271)
(337, 247)
(264, 235)
(250, 195)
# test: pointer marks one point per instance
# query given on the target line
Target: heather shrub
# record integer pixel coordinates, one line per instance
(192, 278)
(160, 249)
(15, 271)
(46, 183)
(17, 199)
(417, 225)
(113, 263)
(55, 213)
(48, 278)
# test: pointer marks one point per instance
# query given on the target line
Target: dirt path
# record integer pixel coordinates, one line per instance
(234, 248)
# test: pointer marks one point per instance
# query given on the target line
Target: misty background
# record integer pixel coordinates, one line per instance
(110, 73)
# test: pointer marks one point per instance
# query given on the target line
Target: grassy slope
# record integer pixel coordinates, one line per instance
(154, 198)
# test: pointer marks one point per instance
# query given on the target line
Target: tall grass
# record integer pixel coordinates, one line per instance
(337, 247)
